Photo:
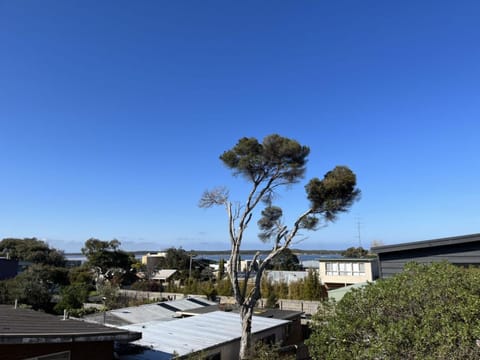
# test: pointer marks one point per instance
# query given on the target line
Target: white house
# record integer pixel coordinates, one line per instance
(338, 272)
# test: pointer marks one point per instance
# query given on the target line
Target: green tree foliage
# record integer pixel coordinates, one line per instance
(425, 312)
(107, 255)
(35, 286)
(81, 274)
(309, 288)
(312, 288)
(32, 250)
(175, 259)
(286, 261)
(263, 351)
(276, 163)
(41, 280)
(224, 287)
(72, 297)
(183, 261)
(355, 252)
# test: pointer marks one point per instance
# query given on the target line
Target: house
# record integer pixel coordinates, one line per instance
(459, 250)
(243, 265)
(216, 335)
(152, 260)
(164, 275)
(8, 268)
(339, 272)
(28, 334)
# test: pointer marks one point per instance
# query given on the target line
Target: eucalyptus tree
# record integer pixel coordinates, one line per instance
(274, 164)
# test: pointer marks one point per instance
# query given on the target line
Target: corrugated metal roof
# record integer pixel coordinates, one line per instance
(148, 312)
(18, 325)
(311, 264)
(193, 334)
(164, 274)
(339, 293)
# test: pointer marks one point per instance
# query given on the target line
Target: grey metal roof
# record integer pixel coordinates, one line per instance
(311, 264)
(164, 274)
(269, 313)
(193, 334)
(455, 240)
(339, 293)
(25, 325)
(355, 260)
(163, 311)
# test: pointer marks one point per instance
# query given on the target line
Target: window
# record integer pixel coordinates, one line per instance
(332, 268)
(345, 269)
(358, 269)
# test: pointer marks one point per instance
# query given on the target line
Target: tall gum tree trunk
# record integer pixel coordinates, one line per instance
(246, 339)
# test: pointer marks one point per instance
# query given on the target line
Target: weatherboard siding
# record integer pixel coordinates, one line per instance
(463, 254)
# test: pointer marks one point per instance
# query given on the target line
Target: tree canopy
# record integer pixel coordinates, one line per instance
(425, 312)
(32, 250)
(107, 255)
(286, 261)
(355, 252)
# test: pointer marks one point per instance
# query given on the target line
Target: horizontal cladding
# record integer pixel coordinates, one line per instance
(429, 259)
(393, 262)
(392, 266)
(443, 251)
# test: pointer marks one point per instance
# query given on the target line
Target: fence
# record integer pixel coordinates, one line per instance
(306, 306)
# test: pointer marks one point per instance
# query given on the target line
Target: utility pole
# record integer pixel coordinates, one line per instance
(192, 255)
(358, 231)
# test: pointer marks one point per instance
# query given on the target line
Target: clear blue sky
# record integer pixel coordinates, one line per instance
(113, 115)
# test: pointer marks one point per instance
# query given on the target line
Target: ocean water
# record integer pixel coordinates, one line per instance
(301, 257)
(217, 257)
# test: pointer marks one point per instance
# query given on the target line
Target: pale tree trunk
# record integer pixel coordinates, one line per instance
(247, 306)
(246, 339)
(248, 301)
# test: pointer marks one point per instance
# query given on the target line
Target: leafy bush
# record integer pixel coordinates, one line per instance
(425, 312)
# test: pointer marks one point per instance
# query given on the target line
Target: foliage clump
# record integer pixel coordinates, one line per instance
(425, 312)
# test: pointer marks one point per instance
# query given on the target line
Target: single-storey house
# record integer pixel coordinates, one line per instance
(459, 250)
(295, 331)
(216, 335)
(163, 275)
(27, 334)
